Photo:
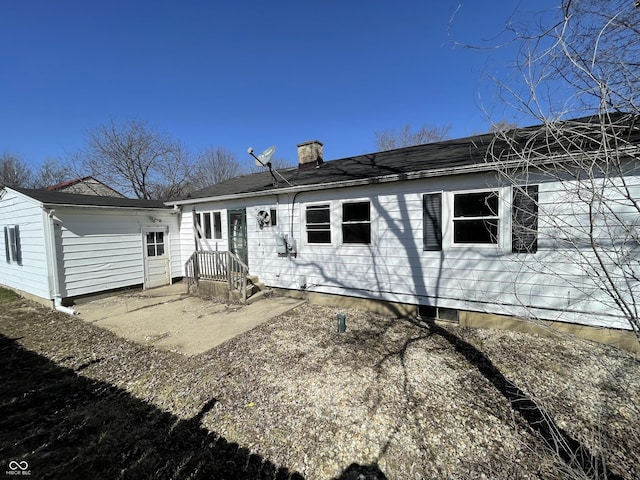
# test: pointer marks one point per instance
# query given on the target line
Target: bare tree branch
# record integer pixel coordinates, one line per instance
(406, 137)
(137, 159)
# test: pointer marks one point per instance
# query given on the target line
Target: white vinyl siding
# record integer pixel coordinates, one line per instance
(105, 251)
(31, 275)
(395, 266)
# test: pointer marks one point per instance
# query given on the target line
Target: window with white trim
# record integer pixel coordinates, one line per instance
(155, 244)
(217, 225)
(318, 223)
(12, 247)
(356, 222)
(475, 217)
(210, 224)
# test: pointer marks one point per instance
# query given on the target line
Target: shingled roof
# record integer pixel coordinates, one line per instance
(440, 158)
(54, 198)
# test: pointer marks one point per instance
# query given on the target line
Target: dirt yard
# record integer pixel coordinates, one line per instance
(292, 398)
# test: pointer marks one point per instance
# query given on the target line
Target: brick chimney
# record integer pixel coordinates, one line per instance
(310, 154)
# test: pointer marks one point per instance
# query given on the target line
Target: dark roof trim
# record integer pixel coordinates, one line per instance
(59, 199)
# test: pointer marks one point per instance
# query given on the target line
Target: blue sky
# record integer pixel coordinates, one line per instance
(248, 73)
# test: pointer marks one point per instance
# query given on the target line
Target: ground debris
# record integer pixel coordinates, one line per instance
(292, 398)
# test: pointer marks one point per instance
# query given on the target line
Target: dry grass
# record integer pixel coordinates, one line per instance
(292, 398)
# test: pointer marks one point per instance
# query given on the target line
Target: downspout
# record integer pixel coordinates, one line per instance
(50, 245)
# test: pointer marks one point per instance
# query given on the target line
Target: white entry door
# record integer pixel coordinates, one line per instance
(157, 271)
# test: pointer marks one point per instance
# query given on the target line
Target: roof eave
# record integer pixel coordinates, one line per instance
(479, 167)
(488, 166)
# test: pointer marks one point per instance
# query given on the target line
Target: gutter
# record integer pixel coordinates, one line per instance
(52, 264)
(331, 185)
(112, 207)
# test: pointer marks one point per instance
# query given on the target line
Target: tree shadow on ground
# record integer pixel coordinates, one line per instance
(572, 452)
(68, 426)
(65, 425)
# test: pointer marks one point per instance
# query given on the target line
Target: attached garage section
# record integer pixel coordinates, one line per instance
(111, 250)
(89, 244)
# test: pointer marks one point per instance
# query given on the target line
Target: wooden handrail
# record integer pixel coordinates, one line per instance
(218, 266)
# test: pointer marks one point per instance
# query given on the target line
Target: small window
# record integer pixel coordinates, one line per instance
(12, 244)
(198, 223)
(356, 222)
(155, 244)
(273, 213)
(475, 217)
(217, 225)
(318, 218)
(207, 225)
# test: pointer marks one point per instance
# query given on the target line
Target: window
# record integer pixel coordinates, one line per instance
(273, 213)
(207, 225)
(356, 222)
(12, 244)
(210, 225)
(318, 218)
(432, 221)
(475, 217)
(217, 225)
(155, 244)
(198, 223)
(524, 219)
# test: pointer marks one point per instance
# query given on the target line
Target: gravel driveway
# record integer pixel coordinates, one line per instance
(292, 398)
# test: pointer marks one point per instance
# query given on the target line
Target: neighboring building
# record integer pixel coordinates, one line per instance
(62, 245)
(86, 186)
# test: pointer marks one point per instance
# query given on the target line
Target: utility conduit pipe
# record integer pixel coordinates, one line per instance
(57, 304)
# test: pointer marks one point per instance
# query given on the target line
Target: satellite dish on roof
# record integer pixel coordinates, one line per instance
(264, 158)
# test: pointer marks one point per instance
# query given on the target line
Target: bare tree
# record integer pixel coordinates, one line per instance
(135, 158)
(51, 172)
(215, 165)
(406, 137)
(14, 172)
(277, 163)
(582, 64)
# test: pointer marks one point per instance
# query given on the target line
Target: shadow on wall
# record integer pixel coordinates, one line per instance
(64, 425)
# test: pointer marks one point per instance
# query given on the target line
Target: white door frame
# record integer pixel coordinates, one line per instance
(163, 257)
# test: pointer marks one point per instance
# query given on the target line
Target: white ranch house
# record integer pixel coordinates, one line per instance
(430, 228)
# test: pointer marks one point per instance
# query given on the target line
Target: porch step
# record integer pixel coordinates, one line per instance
(258, 296)
(256, 285)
